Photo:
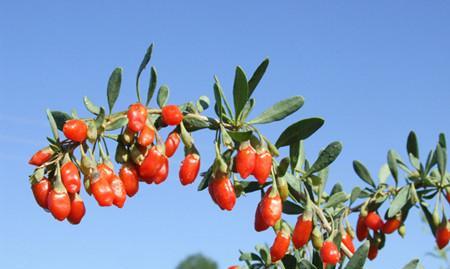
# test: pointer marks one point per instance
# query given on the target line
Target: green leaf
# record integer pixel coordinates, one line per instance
(257, 76)
(90, 106)
(226, 138)
(145, 61)
(359, 257)
(264, 253)
(384, 173)
(392, 163)
(60, 118)
(240, 91)
(205, 180)
(336, 199)
(194, 124)
(152, 85)
(114, 87)
(442, 141)
(289, 262)
(412, 145)
(202, 103)
(100, 118)
(355, 194)
(326, 157)
(240, 136)
(291, 209)
(117, 123)
(305, 264)
(441, 157)
(399, 201)
(297, 155)
(218, 88)
(299, 131)
(53, 126)
(363, 173)
(251, 186)
(279, 110)
(293, 183)
(247, 109)
(429, 217)
(163, 95)
(412, 264)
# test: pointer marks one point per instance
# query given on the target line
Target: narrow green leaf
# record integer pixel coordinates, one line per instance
(297, 155)
(240, 91)
(363, 173)
(384, 173)
(251, 186)
(441, 157)
(289, 262)
(399, 201)
(291, 209)
(218, 87)
(392, 163)
(412, 264)
(429, 217)
(145, 61)
(202, 103)
(114, 87)
(336, 199)
(442, 141)
(279, 110)
(240, 136)
(194, 124)
(116, 124)
(90, 106)
(246, 110)
(355, 194)
(53, 126)
(326, 157)
(412, 145)
(152, 85)
(100, 118)
(299, 131)
(60, 118)
(359, 257)
(305, 264)
(205, 180)
(257, 76)
(226, 138)
(163, 96)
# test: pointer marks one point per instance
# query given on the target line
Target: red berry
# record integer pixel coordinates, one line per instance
(137, 117)
(41, 156)
(263, 165)
(118, 190)
(330, 253)
(234, 267)
(347, 240)
(271, 207)
(222, 191)
(71, 177)
(361, 229)
(391, 225)
(40, 192)
(302, 231)
(101, 189)
(146, 136)
(171, 115)
(245, 161)
(189, 168)
(162, 174)
(129, 176)
(373, 251)
(442, 235)
(77, 209)
(172, 142)
(58, 204)
(260, 225)
(280, 246)
(373, 221)
(75, 130)
(151, 164)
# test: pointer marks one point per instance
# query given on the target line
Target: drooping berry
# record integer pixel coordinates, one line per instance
(146, 136)
(347, 240)
(391, 225)
(361, 229)
(129, 176)
(171, 115)
(41, 156)
(263, 165)
(271, 207)
(172, 142)
(71, 177)
(77, 209)
(443, 235)
(222, 191)
(118, 190)
(75, 130)
(162, 174)
(302, 231)
(330, 253)
(245, 160)
(280, 246)
(137, 117)
(40, 192)
(260, 225)
(374, 221)
(189, 168)
(59, 204)
(100, 188)
(151, 164)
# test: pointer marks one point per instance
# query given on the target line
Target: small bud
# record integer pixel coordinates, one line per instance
(121, 153)
(283, 188)
(402, 230)
(317, 238)
(87, 165)
(128, 137)
(283, 166)
(138, 153)
(92, 133)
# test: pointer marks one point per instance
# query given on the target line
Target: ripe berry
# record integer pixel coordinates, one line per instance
(245, 160)
(151, 164)
(373, 251)
(137, 116)
(172, 142)
(118, 190)
(361, 229)
(222, 191)
(302, 230)
(442, 235)
(260, 225)
(189, 168)
(146, 136)
(40, 192)
(162, 174)
(101, 189)
(263, 165)
(77, 209)
(347, 240)
(41, 156)
(391, 225)
(234, 267)
(59, 204)
(271, 207)
(171, 115)
(280, 246)
(71, 177)
(330, 253)
(129, 176)
(373, 221)
(75, 130)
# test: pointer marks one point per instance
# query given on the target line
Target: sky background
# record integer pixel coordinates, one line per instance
(373, 69)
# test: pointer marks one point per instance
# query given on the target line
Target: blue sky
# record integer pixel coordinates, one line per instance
(373, 69)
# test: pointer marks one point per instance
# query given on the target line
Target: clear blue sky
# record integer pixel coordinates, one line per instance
(373, 69)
